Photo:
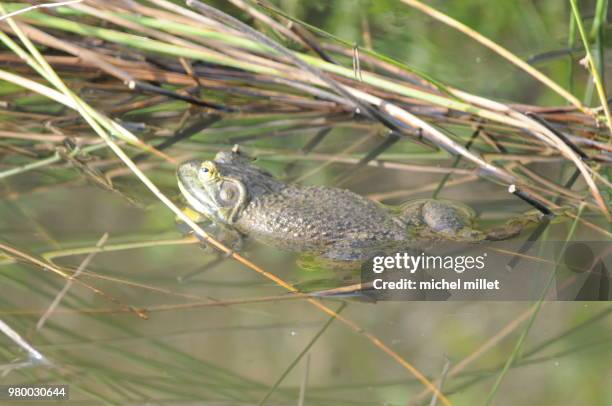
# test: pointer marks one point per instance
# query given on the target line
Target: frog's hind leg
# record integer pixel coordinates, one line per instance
(445, 219)
(441, 219)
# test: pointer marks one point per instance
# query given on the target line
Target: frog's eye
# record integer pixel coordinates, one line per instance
(228, 194)
(207, 169)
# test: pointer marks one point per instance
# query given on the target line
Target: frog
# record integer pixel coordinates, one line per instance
(333, 224)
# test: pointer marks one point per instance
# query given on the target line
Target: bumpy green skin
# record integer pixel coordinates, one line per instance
(317, 219)
(332, 223)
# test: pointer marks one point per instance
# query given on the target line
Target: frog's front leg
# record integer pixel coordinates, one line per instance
(445, 219)
(193, 216)
(228, 236)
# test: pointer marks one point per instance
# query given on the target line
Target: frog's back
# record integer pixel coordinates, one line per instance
(313, 218)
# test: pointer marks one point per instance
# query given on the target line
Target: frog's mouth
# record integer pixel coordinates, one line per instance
(192, 190)
(193, 202)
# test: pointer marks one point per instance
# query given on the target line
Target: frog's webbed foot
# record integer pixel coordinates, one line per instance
(514, 226)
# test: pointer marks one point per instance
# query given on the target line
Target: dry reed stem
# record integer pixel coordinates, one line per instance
(50, 267)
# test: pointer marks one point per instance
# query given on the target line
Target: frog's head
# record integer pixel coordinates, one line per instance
(220, 189)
